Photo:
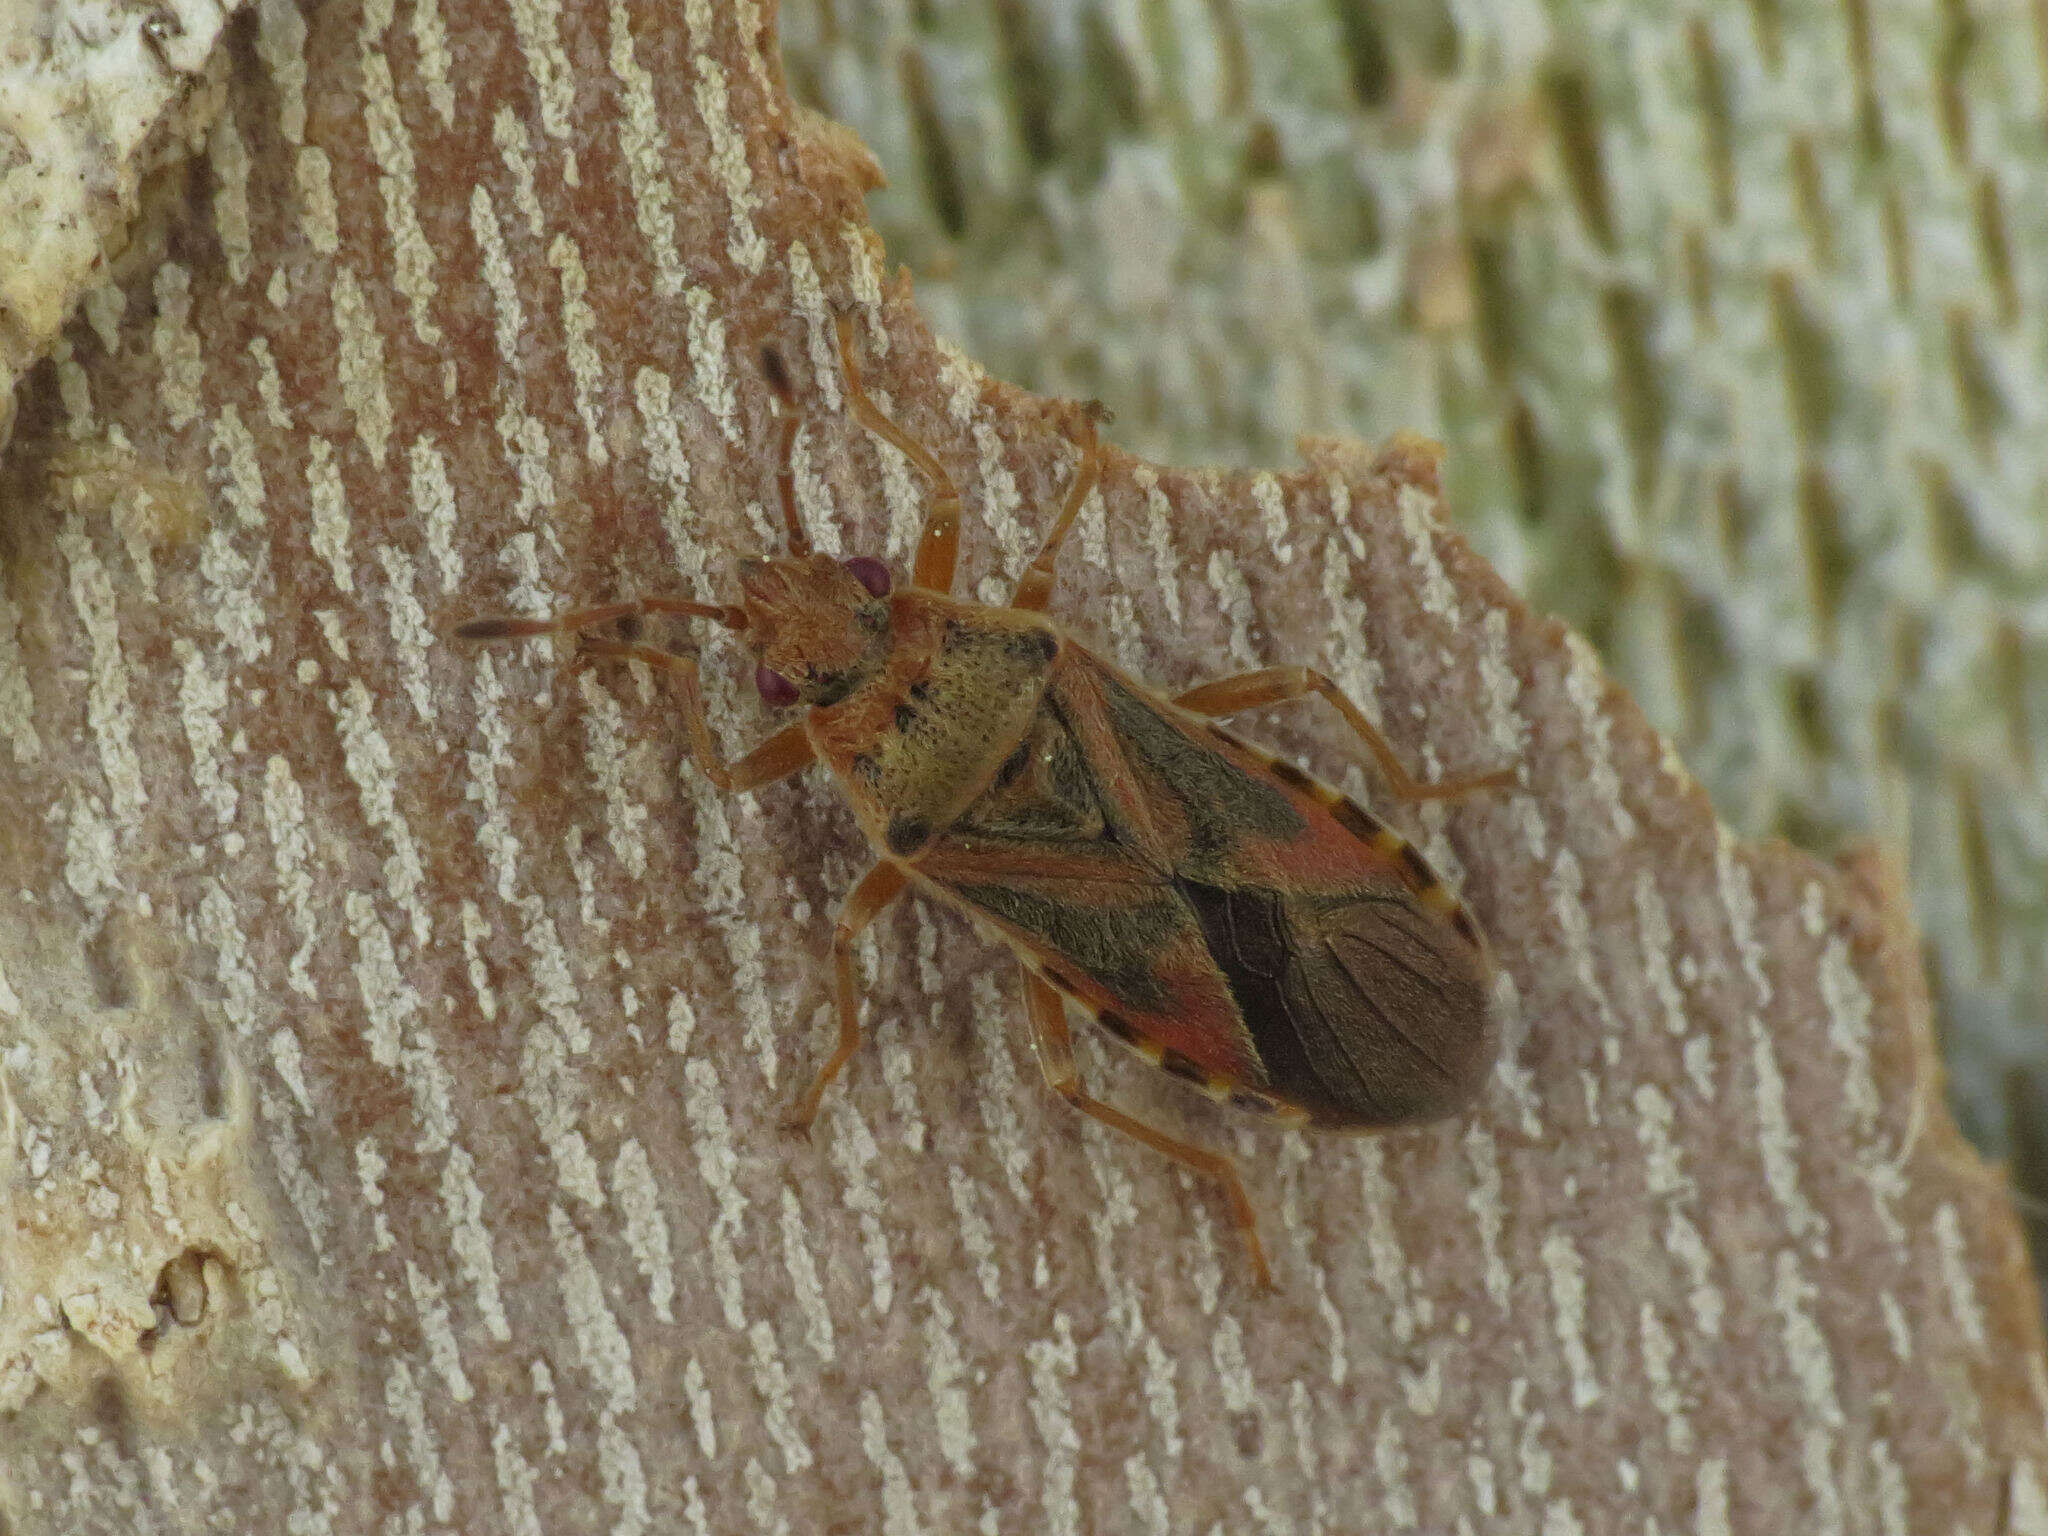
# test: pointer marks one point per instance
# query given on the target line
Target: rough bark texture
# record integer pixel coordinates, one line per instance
(94, 103)
(396, 1034)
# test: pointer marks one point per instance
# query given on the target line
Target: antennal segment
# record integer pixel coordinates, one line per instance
(785, 473)
(589, 618)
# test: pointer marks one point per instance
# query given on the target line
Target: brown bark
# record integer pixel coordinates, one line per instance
(396, 1034)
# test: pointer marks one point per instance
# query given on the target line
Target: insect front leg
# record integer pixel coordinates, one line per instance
(1056, 1059)
(1279, 685)
(1034, 587)
(864, 903)
(776, 758)
(938, 547)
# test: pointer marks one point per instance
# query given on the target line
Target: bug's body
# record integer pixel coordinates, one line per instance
(1221, 913)
(1236, 923)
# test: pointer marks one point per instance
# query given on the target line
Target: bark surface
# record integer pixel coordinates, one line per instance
(396, 1033)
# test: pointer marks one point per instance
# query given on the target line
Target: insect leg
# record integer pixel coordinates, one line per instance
(776, 758)
(938, 546)
(878, 887)
(1034, 587)
(1056, 1059)
(1278, 685)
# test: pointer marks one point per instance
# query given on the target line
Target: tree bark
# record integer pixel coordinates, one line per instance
(397, 1032)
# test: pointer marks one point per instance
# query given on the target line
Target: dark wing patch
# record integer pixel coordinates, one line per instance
(1118, 945)
(1364, 1011)
(1224, 805)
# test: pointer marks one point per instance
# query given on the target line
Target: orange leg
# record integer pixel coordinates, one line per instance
(1056, 1059)
(776, 758)
(1034, 587)
(878, 887)
(1278, 685)
(938, 547)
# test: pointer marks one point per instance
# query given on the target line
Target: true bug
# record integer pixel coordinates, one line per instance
(1233, 921)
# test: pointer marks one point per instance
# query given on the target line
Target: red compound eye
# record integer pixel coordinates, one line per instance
(870, 573)
(775, 688)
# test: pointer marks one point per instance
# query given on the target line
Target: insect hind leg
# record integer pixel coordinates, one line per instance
(1056, 1059)
(1281, 685)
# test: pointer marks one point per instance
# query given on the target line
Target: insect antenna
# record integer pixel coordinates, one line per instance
(777, 374)
(587, 618)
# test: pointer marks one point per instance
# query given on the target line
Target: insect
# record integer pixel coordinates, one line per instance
(1231, 920)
